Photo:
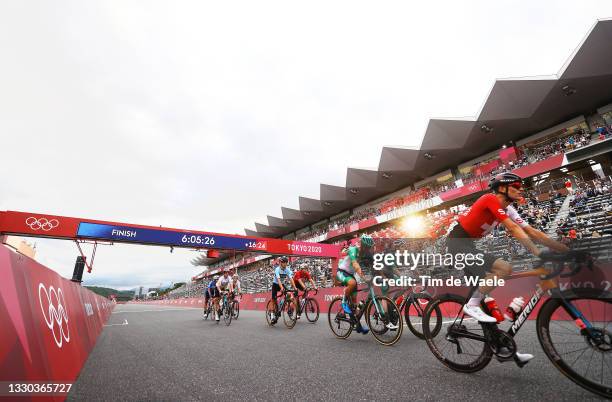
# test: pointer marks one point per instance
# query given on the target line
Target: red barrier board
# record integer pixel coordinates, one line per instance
(599, 278)
(49, 324)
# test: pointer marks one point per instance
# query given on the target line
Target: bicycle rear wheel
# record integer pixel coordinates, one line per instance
(385, 321)
(414, 310)
(311, 309)
(290, 311)
(584, 358)
(270, 312)
(446, 329)
(339, 322)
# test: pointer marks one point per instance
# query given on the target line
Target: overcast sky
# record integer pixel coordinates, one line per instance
(211, 115)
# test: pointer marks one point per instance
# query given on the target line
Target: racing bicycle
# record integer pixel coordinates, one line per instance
(235, 306)
(573, 327)
(226, 308)
(309, 306)
(383, 317)
(208, 309)
(287, 307)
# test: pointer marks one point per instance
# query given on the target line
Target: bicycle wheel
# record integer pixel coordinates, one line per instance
(270, 312)
(385, 320)
(290, 311)
(414, 309)
(227, 313)
(339, 322)
(311, 309)
(584, 358)
(455, 351)
(236, 309)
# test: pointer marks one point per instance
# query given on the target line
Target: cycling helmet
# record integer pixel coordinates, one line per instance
(366, 240)
(216, 277)
(283, 259)
(504, 178)
(235, 276)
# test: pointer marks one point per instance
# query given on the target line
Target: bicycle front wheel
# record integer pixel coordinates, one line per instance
(271, 312)
(236, 309)
(311, 309)
(385, 320)
(290, 311)
(414, 310)
(339, 322)
(227, 314)
(457, 340)
(582, 355)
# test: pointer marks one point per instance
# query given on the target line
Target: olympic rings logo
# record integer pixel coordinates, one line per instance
(41, 223)
(55, 314)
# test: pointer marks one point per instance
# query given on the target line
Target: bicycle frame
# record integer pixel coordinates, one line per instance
(545, 286)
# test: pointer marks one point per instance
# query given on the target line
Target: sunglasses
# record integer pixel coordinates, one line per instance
(517, 185)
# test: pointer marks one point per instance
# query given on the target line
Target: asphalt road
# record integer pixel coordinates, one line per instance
(171, 354)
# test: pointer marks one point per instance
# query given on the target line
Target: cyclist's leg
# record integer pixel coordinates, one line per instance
(472, 307)
(275, 290)
(298, 287)
(500, 269)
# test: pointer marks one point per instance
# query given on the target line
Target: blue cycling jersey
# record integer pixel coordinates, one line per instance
(212, 285)
(282, 273)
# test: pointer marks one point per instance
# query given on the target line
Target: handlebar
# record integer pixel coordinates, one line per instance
(577, 259)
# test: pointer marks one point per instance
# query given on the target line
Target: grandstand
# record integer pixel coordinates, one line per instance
(550, 130)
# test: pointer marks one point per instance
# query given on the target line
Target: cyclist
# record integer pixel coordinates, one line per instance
(236, 284)
(357, 255)
(480, 219)
(224, 284)
(237, 290)
(299, 277)
(282, 276)
(211, 291)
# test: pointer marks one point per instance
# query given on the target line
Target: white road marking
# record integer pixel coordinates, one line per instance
(160, 310)
(125, 322)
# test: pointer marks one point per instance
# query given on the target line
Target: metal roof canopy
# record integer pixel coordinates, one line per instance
(514, 109)
(83, 230)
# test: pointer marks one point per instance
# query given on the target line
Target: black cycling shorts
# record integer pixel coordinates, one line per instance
(459, 242)
(214, 292)
(298, 286)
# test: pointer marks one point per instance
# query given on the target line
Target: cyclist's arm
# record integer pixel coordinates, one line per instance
(314, 285)
(519, 234)
(357, 268)
(543, 239)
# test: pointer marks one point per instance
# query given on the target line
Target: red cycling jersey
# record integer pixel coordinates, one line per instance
(484, 215)
(304, 275)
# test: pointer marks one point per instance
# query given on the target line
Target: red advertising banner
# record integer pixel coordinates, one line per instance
(508, 154)
(38, 225)
(540, 167)
(463, 191)
(49, 324)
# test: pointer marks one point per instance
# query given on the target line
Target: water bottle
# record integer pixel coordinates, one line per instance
(494, 309)
(514, 308)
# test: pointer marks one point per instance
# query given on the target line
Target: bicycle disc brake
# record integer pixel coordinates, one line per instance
(503, 345)
(600, 340)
